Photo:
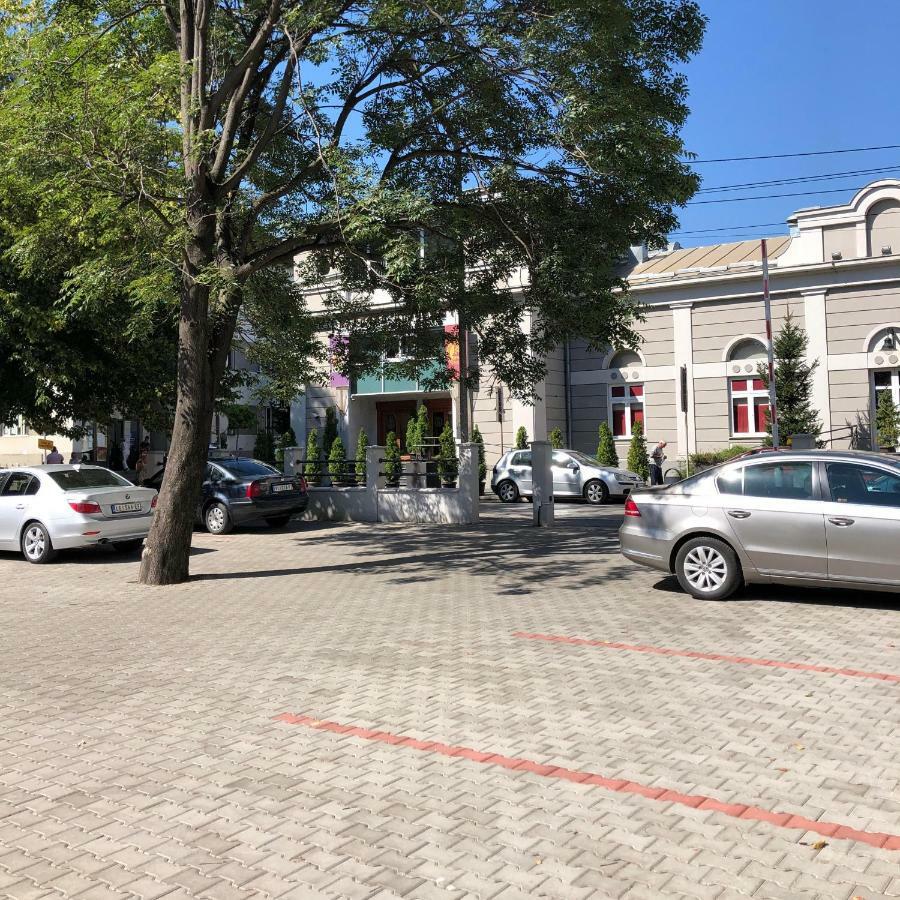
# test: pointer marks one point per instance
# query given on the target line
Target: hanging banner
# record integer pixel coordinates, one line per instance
(451, 346)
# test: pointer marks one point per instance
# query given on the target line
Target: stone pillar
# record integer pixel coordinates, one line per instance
(814, 322)
(542, 484)
(468, 481)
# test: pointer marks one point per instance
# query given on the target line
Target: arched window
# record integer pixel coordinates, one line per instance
(883, 228)
(625, 359)
(747, 392)
(626, 401)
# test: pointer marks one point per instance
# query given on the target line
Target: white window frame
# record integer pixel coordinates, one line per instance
(627, 401)
(750, 395)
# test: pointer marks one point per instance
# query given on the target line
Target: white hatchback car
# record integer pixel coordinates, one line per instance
(48, 508)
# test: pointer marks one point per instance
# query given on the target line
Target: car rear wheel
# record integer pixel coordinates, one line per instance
(507, 491)
(596, 493)
(708, 568)
(128, 546)
(36, 544)
(217, 519)
(278, 521)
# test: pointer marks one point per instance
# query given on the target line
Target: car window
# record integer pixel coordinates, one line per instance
(522, 458)
(80, 479)
(561, 459)
(16, 485)
(731, 481)
(247, 468)
(779, 480)
(33, 487)
(852, 483)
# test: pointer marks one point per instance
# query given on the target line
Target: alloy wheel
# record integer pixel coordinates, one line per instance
(705, 568)
(35, 542)
(215, 518)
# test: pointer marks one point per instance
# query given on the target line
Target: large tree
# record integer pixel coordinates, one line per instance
(388, 144)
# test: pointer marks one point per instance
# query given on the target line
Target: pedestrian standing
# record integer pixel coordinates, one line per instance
(143, 460)
(54, 457)
(657, 458)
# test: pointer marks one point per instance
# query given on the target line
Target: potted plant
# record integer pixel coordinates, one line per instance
(638, 461)
(448, 464)
(362, 443)
(337, 462)
(606, 447)
(887, 422)
(521, 438)
(392, 463)
(288, 439)
(556, 439)
(313, 467)
(482, 467)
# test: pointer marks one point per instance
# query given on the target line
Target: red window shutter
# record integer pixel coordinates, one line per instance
(741, 416)
(637, 414)
(619, 421)
(758, 384)
(762, 414)
(738, 385)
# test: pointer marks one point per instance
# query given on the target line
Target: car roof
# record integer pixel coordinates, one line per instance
(860, 456)
(49, 467)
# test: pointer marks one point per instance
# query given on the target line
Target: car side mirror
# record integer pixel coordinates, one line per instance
(574, 466)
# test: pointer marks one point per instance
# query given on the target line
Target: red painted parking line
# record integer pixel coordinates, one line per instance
(715, 657)
(619, 785)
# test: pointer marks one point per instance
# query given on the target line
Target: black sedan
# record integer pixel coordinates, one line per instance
(237, 491)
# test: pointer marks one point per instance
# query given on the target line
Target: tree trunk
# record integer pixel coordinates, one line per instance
(168, 546)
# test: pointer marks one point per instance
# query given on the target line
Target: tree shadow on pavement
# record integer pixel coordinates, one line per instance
(517, 558)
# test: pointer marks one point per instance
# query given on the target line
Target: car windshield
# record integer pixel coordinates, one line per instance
(582, 458)
(79, 479)
(246, 468)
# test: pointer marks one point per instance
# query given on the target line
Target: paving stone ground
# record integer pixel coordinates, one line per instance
(140, 755)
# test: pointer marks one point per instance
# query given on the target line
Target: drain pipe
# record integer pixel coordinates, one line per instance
(567, 372)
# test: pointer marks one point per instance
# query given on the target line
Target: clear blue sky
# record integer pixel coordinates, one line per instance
(786, 76)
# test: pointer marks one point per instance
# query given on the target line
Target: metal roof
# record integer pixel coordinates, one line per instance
(693, 260)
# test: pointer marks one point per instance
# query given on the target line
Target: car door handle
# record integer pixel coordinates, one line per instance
(20, 506)
(841, 522)
(738, 514)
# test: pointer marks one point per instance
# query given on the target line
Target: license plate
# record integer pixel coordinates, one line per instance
(126, 507)
(282, 487)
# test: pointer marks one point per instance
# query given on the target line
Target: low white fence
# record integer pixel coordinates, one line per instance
(375, 501)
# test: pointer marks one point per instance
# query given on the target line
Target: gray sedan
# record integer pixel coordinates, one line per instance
(818, 518)
(574, 475)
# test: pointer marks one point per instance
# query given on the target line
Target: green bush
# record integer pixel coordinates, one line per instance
(521, 438)
(887, 421)
(714, 457)
(264, 448)
(288, 439)
(337, 460)
(556, 439)
(392, 464)
(606, 447)
(482, 466)
(448, 465)
(637, 452)
(313, 457)
(330, 432)
(362, 442)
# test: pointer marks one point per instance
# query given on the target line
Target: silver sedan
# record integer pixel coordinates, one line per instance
(818, 518)
(574, 475)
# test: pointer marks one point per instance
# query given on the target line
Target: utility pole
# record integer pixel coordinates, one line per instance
(465, 425)
(773, 408)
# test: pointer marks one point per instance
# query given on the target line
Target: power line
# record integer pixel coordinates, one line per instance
(772, 196)
(699, 162)
(800, 179)
(731, 228)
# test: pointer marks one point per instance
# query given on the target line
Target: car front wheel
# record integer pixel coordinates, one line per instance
(507, 491)
(708, 569)
(596, 493)
(217, 519)
(36, 544)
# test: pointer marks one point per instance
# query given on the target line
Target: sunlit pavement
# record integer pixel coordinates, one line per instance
(426, 712)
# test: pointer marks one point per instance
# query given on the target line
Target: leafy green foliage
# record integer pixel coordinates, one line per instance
(606, 447)
(313, 465)
(362, 443)
(887, 420)
(337, 460)
(478, 439)
(638, 461)
(393, 465)
(329, 435)
(285, 440)
(521, 438)
(556, 439)
(264, 448)
(448, 464)
(793, 383)
(707, 458)
(241, 418)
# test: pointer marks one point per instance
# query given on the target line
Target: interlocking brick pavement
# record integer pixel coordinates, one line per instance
(141, 756)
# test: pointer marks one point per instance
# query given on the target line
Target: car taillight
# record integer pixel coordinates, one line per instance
(254, 489)
(631, 508)
(153, 501)
(85, 508)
